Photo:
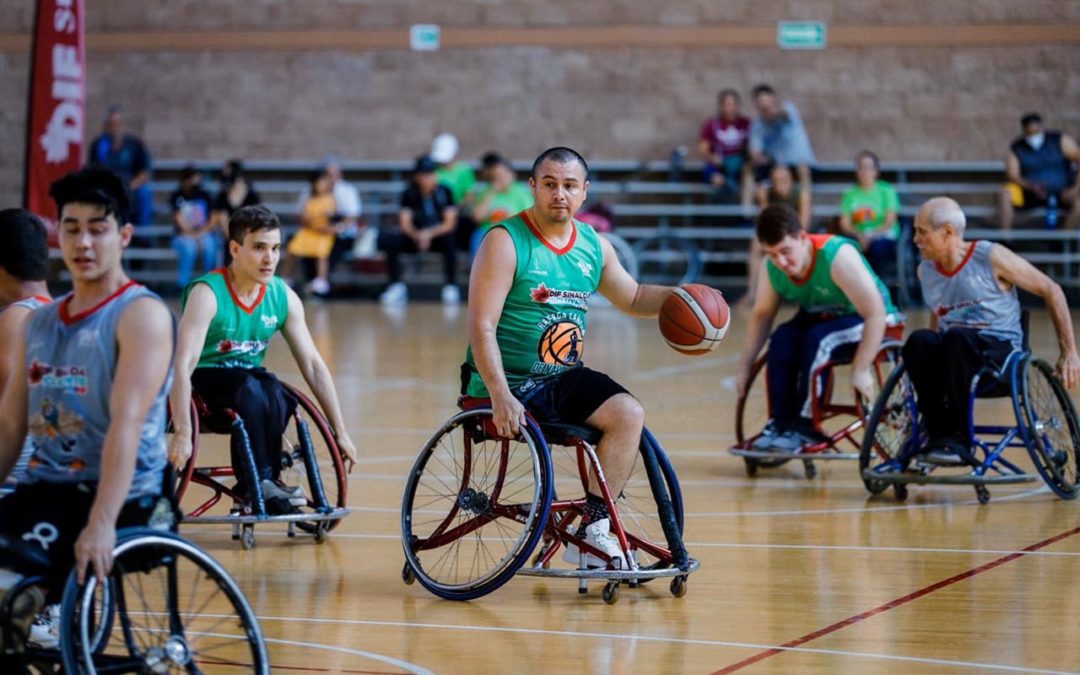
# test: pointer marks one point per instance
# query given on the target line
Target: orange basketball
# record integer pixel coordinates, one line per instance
(694, 319)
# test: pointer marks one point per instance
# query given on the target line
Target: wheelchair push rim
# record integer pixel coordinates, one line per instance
(475, 506)
(1051, 429)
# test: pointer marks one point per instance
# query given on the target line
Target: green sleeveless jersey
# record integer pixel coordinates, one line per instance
(817, 292)
(541, 331)
(239, 335)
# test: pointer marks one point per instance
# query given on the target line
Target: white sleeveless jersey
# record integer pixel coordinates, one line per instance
(970, 297)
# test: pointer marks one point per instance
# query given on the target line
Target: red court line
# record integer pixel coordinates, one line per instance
(892, 604)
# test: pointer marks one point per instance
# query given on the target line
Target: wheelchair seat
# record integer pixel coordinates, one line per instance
(212, 421)
(555, 433)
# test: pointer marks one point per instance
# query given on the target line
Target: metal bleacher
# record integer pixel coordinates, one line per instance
(646, 197)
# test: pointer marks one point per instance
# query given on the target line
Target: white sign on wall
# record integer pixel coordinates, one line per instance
(424, 37)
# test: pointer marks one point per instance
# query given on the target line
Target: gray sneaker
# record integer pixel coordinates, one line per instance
(787, 441)
(766, 439)
(292, 494)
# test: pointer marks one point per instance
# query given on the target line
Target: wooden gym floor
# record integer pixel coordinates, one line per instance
(797, 575)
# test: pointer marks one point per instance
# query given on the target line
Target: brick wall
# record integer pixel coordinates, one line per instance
(905, 102)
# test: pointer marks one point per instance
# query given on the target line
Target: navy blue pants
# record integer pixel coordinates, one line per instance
(796, 349)
(261, 401)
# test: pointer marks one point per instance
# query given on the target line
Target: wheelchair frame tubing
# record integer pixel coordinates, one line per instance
(307, 451)
(258, 503)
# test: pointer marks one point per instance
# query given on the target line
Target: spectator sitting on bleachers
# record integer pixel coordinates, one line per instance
(127, 157)
(777, 136)
(348, 208)
(722, 144)
(236, 191)
(426, 221)
(315, 240)
(195, 238)
(1041, 168)
(504, 197)
(779, 189)
(868, 213)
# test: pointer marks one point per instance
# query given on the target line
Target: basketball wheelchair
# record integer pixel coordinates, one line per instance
(893, 449)
(477, 505)
(836, 418)
(166, 606)
(305, 459)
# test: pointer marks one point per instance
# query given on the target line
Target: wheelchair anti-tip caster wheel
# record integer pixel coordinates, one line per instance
(751, 466)
(678, 586)
(611, 592)
(810, 469)
(900, 491)
(247, 537)
(407, 575)
(982, 493)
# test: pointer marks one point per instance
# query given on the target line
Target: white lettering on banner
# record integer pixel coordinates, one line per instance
(66, 122)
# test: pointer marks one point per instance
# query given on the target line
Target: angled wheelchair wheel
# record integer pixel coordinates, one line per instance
(636, 506)
(176, 610)
(474, 506)
(891, 427)
(667, 259)
(752, 414)
(1051, 429)
(328, 458)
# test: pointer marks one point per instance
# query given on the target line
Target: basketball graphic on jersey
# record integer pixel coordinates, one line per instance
(561, 344)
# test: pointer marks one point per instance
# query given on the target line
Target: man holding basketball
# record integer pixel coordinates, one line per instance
(229, 317)
(528, 297)
(843, 305)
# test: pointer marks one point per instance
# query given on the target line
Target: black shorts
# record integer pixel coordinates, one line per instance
(52, 515)
(570, 398)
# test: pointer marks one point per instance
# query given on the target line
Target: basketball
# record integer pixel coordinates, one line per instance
(694, 319)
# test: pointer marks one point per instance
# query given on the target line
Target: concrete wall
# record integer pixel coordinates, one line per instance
(914, 98)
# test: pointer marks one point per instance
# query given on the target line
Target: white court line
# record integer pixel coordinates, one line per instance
(656, 638)
(404, 665)
(803, 547)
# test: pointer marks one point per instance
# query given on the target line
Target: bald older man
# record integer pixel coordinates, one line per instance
(970, 288)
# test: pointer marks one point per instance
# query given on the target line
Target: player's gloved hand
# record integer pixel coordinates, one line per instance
(508, 415)
(1068, 369)
(180, 449)
(863, 383)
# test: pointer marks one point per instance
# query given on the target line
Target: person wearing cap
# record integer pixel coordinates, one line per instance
(1040, 171)
(456, 175)
(426, 220)
(195, 238)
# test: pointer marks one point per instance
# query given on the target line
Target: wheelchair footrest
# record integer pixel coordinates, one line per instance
(606, 574)
(907, 477)
(778, 454)
(310, 517)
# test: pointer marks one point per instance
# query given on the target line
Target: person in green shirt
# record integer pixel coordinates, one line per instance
(869, 211)
(844, 308)
(458, 176)
(528, 298)
(228, 318)
(504, 197)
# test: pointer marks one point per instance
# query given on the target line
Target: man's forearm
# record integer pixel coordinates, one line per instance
(873, 332)
(648, 300)
(1059, 314)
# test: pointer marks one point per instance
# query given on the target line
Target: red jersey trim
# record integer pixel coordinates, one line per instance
(69, 319)
(232, 293)
(944, 272)
(816, 242)
(557, 251)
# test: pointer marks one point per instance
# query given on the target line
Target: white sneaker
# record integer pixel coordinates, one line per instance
(294, 494)
(450, 294)
(45, 632)
(319, 286)
(395, 294)
(598, 535)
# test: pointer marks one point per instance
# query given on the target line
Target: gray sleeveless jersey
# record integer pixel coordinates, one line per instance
(70, 363)
(19, 472)
(970, 296)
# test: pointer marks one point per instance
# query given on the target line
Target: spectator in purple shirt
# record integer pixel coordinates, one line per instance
(722, 143)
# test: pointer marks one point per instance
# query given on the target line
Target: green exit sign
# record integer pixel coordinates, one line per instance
(424, 37)
(800, 34)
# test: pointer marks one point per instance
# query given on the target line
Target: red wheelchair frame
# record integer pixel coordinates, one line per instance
(318, 517)
(823, 409)
(545, 517)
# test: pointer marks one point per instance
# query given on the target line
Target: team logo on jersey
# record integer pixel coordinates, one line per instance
(54, 422)
(269, 321)
(253, 347)
(553, 296)
(560, 344)
(69, 378)
(88, 337)
(585, 267)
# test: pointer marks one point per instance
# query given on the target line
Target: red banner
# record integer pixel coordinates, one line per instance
(54, 123)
